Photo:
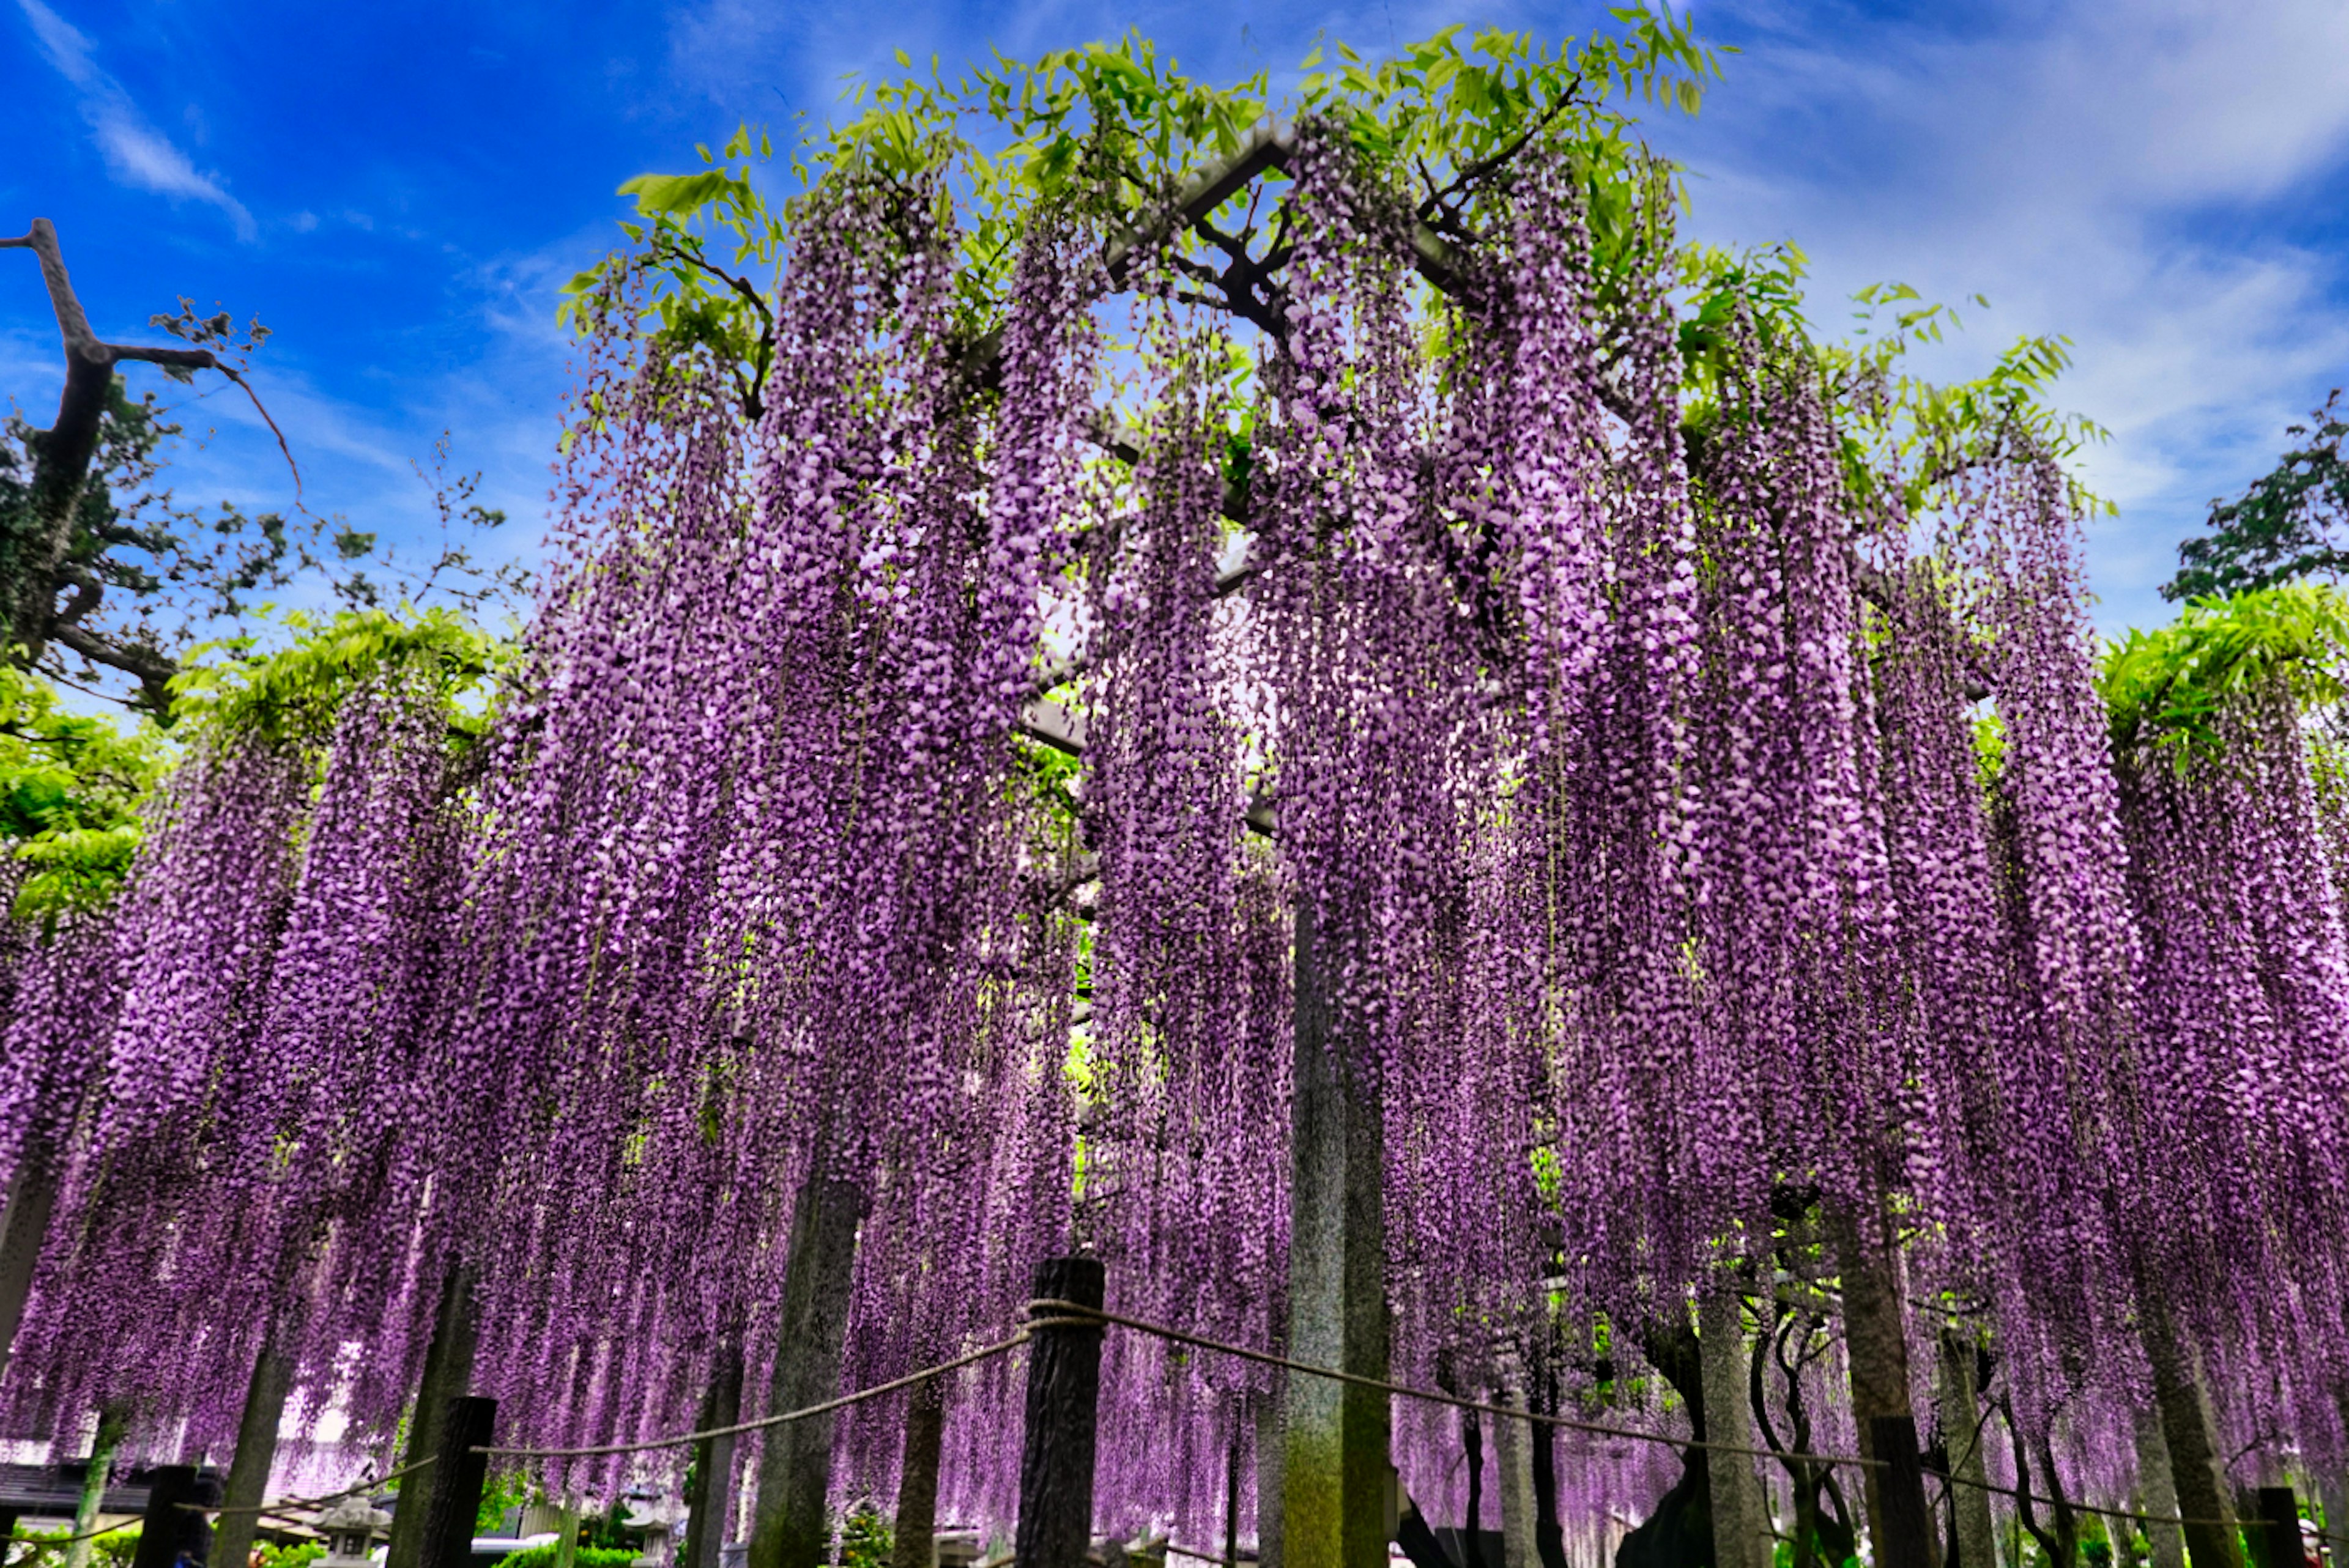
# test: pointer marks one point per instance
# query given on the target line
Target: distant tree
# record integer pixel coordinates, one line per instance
(101, 571)
(2286, 526)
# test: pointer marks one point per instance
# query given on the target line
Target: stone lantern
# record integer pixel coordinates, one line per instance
(658, 1520)
(352, 1527)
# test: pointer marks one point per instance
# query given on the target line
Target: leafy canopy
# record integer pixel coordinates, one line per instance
(2285, 526)
(2169, 688)
(1113, 130)
(70, 790)
(291, 695)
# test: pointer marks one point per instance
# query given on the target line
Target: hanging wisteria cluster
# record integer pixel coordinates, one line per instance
(932, 792)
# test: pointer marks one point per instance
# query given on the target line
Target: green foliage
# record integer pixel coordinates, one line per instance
(865, 1538)
(70, 789)
(291, 1554)
(1929, 435)
(1902, 435)
(2168, 689)
(46, 1549)
(543, 1555)
(1112, 129)
(2284, 527)
(292, 693)
(141, 571)
(500, 1493)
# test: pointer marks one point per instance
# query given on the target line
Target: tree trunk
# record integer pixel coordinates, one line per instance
(713, 1460)
(1739, 1531)
(448, 1375)
(790, 1529)
(1514, 1449)
(1336, 1486)
(1876, 1342)
(92, 1501)
(917, 1527)
(24, 1226)
(2166, 1546)
(2194, 1469)
(1961, 1436)
(256, 1453)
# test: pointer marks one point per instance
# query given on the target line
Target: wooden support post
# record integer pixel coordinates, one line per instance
(1963, 1437)
(448, 1374)
(172, 1533)
(2274, 1534)
(1513, 1451)
(2157, 1494)
(24, 1226)
(451, 1500)
(790, 1530)
(916, 1545)
(1337, 1485)
(256, 1453)
(1907, 1541)
(2195, 1471)
(1740, 1533)
(566, 1550)
(1271, 1456)
(1876, 1342)
(1056, 1464)
(713, 1459)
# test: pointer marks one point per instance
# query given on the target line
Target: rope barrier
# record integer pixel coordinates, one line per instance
(1092, 1316)
(997, 1348)
(286, 1506)
(1078, 1315)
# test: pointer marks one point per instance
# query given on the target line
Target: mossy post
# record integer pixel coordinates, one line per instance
(790, 1528)
(1336, 1480)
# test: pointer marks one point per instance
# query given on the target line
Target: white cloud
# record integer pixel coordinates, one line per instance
(137, 154)
(2125, 176)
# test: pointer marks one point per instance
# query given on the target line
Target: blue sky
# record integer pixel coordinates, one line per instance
(399, 191)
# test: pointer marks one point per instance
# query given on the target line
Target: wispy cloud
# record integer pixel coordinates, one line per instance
(138, 154)
(2143, 179)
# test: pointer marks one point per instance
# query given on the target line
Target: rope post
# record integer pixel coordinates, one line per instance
(172, 1530)
(2274, 1533)
(1056, 1466)
(1907, 1525)
(451, 1496)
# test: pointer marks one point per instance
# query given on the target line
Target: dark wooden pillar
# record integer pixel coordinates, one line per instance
(452, 1487)
(448, 1374)
(173, 1530)
(1907, 1541)
(1056, 1465)
(2274, 1533)
(1336, 1479)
